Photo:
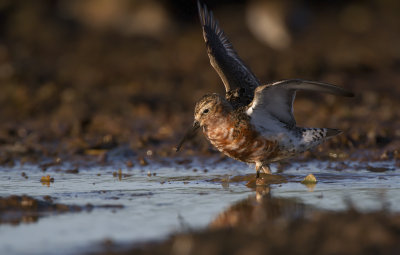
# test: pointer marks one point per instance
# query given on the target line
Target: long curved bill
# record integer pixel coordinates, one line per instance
(189, 134)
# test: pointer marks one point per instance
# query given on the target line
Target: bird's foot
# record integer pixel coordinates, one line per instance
(264, 168)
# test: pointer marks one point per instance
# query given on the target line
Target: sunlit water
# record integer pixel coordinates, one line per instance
(176, 198)
(153, 206)
(337, 190)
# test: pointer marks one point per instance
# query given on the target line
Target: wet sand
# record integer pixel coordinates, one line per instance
(280, 226)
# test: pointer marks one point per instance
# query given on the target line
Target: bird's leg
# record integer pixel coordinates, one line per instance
(265, 168)
(258, 168)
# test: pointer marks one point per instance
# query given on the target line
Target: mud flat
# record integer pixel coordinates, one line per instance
(282, 226)
(353, 211)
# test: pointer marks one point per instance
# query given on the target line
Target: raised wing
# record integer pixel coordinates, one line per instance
(235, 75)
(275, 101)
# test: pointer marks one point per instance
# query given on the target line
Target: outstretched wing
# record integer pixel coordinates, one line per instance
(275, 101)
(233, 72)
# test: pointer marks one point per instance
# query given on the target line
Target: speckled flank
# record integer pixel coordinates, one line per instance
(311, 137)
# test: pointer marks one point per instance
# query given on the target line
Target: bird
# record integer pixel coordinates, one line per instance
(252, 122)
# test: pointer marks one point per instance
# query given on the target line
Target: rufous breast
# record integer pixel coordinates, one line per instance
(235, 136)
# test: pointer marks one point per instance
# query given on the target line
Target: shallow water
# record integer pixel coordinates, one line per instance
(338, 190)
(175, 199)
(151, 209)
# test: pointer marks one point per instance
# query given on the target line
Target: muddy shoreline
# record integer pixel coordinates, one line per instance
(282, 226)
(81, 95)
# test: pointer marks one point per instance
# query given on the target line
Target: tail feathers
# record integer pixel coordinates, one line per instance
(311, 137)
(332, 132)
(317, 135)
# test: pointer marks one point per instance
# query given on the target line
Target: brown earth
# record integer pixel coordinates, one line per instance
(25, 209)
(75, 83)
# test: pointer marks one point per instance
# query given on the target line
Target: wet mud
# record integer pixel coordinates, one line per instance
(282, 226)
(25, 209)
(80, 90)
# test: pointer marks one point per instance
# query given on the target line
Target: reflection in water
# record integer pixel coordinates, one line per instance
(46, 180)
(284, 226)
(260, 208)
(310, 186)
(121, 205)
(262, 192)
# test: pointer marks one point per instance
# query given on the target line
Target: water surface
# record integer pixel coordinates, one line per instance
(178, 197)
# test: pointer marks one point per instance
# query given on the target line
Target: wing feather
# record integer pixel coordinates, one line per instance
(275, 101)
(234, 73)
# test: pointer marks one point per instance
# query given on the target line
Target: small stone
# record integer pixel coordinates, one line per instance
(384, 156)
(309, 179)
(47, 179)
(129, 164)
(143, 161)
(72, 171)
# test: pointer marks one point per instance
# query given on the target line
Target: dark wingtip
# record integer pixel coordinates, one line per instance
(200, 11)
(206, 16)
(203, 13)
(299, 84)
(332, 132)
(343, 92)
(346, 93)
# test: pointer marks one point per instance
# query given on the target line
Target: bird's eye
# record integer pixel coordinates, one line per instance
(206, 111)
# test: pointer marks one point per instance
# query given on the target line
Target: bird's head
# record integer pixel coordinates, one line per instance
(209, 107)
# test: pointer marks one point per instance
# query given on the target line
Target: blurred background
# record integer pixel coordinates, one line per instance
(79, 76)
